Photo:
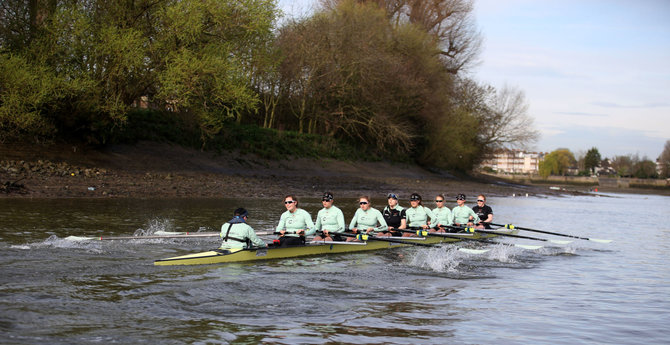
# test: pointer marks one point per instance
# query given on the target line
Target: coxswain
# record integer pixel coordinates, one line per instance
(368, 220)
(329, 219)
(236, 233)
(394, 215)
(294, 224)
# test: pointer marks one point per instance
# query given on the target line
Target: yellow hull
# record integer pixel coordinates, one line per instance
(320, 248)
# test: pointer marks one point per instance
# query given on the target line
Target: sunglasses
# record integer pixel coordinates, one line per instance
(326, 199)
(480, 200)
(439, 200)
(288, 202)
(363, 203)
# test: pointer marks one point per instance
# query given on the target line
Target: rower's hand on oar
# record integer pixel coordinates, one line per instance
(354, 230)
(282, 232)
(369, 230)
(300, 232)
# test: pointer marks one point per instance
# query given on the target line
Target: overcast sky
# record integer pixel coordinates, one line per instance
(596, 73)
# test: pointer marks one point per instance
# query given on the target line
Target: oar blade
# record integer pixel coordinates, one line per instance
(599, 240)
(168, 233)
(473, 251)
(560, 241)
(80, 238)
(527, 246)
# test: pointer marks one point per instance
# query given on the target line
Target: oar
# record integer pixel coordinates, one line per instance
(510, 226)
(424, 233)
(364, 237)
(177, 235)
(508, 235)
(387, 239)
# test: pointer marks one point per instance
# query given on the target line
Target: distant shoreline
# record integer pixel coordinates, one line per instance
(601, 183)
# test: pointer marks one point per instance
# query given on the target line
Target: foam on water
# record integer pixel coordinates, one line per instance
(56, 242)
(155, 225)
(503, 253)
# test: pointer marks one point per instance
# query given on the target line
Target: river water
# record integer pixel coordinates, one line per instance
(58, 291)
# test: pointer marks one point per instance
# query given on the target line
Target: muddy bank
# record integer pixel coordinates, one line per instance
(156, 170)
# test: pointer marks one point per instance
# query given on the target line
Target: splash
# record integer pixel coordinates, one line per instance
(19, 246)
(439, 259)
(160, 225)
(56, 242)
(503, 253)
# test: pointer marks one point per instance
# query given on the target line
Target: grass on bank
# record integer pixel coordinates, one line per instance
(266, 143)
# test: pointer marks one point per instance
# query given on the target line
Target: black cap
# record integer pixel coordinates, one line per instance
(241, 212)
(460, 197)
(392, 195)
(327, 196)
(415, 196)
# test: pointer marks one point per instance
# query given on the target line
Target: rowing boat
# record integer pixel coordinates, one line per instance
(313, 248)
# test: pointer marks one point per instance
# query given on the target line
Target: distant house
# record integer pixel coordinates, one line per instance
(513, 161)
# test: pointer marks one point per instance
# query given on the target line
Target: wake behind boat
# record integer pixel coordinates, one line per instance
(316, 248)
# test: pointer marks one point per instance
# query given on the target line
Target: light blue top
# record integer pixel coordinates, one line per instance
(461, 214)
(418, 216)
(443, 216)
(368, 219)
(330, 219)
(241, 231)
(292, 222)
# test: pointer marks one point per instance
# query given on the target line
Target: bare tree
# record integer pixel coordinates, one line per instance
(450, 22)
(664, 159)
(502, 115)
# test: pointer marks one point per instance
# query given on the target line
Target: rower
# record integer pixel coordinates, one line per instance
(236, 233)
(394, 215)
(443, 216)
(368, 220)
(417, 215)
(294, 224)
(463, 215)
(329, 219)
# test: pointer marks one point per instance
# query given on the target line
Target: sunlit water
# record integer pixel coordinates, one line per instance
(58, 291)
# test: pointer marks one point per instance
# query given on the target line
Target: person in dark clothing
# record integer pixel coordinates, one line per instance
(484, 212)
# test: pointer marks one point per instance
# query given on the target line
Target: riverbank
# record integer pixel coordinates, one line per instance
(595, 183)
(158, 170)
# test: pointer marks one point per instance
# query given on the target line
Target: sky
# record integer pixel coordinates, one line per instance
(595, 73)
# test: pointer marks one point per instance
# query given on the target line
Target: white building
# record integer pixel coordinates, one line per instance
(513, 161)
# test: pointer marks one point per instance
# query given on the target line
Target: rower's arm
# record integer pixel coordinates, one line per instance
(340, 222)
(282, 222)
(310, 229)
(257, 242)
(382, 223)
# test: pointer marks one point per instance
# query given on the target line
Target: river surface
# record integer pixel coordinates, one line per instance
(57, 291)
